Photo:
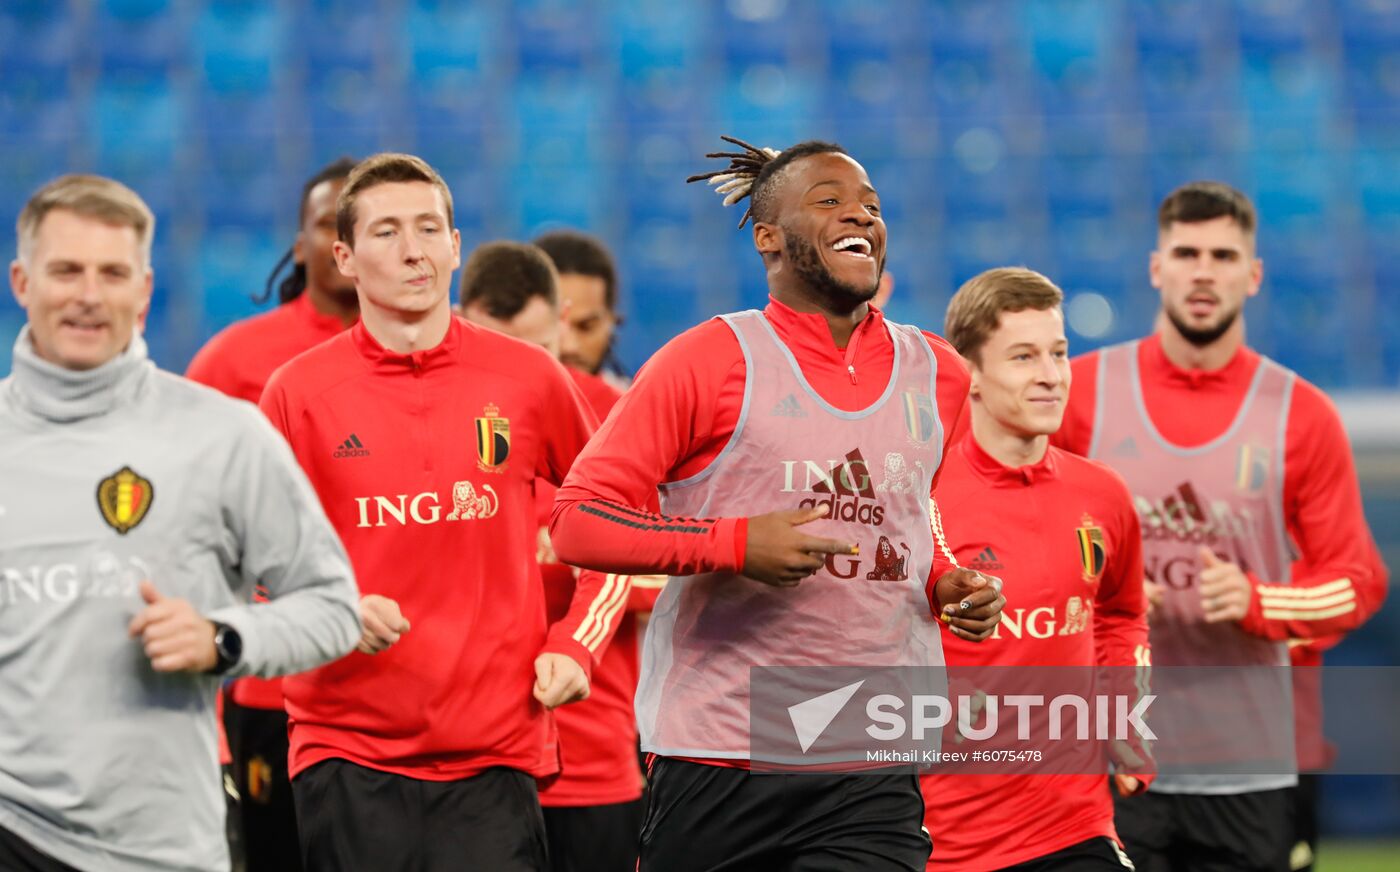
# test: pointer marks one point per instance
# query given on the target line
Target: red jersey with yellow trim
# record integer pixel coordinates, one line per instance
(238, 361)
(598, 736)
(1339, 580)
(427, 464)
(1063, 536)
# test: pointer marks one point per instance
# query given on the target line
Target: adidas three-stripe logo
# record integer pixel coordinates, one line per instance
(351, 447)
(788, 407)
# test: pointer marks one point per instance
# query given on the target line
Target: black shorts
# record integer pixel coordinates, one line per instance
(594, 838)
(713, 818)
(1244, 832)
(1303, 853)
(267, 815)
(1100, 853)
(354, 819)
(17, 855)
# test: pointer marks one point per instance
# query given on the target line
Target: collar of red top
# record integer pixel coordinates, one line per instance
(808, 335)
(995, 472)
(381, 358)
(306, 310)
(1157, 367)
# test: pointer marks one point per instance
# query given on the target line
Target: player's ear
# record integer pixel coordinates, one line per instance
(767, 238)
(1256, 275)
(344, 258)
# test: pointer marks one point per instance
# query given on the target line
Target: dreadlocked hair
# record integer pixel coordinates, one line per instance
(294, 284)
(751, 171)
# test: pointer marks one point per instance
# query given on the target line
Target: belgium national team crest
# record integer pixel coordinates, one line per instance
(919, 417)
(492, 439)
(124, 498)
(1092, 553)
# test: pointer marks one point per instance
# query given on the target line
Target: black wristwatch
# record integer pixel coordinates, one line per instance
(228, 646)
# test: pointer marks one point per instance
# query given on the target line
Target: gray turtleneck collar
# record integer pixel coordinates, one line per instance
(59, 394)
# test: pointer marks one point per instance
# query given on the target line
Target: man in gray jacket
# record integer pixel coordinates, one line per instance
(137, 513)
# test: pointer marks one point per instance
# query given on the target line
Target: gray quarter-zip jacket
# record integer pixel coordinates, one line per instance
(108, 477)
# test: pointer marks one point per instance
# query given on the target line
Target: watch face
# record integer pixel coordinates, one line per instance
(229, 643)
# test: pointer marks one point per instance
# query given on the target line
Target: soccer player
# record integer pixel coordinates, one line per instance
(315, 302)
(1233, 462)
(752, 426)
(139, 511)
(588, 297)
(1062, 534)
(424, 436)
(593, 811)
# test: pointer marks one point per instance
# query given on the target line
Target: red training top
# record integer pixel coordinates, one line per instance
(426, 464)
(238, 361)
(681, 412)
(1063, 536)
(1320, 492)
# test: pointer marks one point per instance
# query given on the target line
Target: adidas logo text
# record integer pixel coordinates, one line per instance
(985, 559)
(351, 447)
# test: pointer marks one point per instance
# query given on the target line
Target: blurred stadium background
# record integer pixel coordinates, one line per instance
(1041, 132)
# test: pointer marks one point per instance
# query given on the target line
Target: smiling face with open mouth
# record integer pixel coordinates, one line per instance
(86, 288)
(833, 237)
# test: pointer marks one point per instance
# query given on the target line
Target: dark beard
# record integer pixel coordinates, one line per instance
(1201, 338)
(835, 295)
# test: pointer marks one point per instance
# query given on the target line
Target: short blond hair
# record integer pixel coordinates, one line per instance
(97, 197)
(382, 169)
(975, 310)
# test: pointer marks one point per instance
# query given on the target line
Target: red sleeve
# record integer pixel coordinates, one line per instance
(1341, 580)
(601, 517)
(1077, 429)
(1120, 606)
(953, 384)
(583, 634)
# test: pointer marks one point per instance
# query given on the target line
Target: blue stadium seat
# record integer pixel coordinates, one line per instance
(455, 42)
(871, 109)
(1291, 186)
(860, 33)
(236, 137)
(1378, 180)
(1065, 32)
(36, 102)
(646, 36)
(768, 104)
(569, 193)
(554, 37)
(239, 46)
(1277, 24)
(143, 42)
(753, 32)
(233, 266)
(1176, 22)
(37, 34)
(138, 119)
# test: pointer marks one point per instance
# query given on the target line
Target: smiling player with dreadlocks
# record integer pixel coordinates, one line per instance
(727, 423)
